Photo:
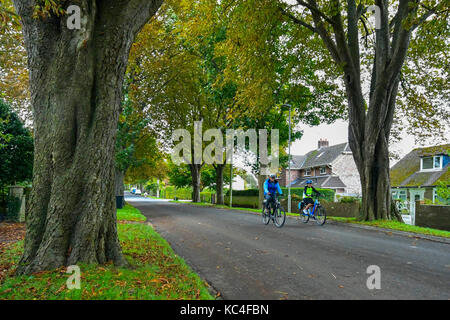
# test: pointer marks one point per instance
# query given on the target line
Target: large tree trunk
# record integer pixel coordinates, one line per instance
(219, 183)
(76, 78)
(369, 141)
(195, 173)
(369, 124)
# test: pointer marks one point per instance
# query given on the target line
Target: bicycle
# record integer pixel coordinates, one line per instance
(317, 212)
(276, 213)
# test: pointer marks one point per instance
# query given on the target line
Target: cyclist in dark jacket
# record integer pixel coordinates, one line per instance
(271, 187)
(307, 196)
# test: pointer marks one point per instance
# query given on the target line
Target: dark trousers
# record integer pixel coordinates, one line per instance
(270, 198)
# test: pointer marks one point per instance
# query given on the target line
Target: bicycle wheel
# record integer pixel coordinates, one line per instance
(304, 217)
(321, 216)
(265, 215)
(280, 217)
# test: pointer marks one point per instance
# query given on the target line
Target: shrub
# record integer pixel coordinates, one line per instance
(347, 199)
(296, 193)
(205, 196)
(327, 194)
(244, 193)
(181, 193)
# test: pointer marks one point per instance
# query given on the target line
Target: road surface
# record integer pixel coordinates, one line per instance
(244, 259)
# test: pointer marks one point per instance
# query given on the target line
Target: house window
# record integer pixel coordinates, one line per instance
(323, 170)
(399, 195)
(307, 172)
(431, 163)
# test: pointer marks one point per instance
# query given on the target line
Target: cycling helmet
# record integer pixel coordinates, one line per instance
(308, 181)
(273, 176)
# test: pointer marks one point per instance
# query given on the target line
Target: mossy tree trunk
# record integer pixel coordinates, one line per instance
(76, 78)
(219, 183)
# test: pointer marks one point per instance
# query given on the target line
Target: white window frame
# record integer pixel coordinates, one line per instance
(324, 170)
(396, 194)
(306, 172)
(441, 161)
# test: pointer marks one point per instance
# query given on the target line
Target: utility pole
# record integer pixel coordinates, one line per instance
(231, 176)
(289, 160)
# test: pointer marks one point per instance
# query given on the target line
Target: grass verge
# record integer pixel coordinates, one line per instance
(130, 213)
(393, 225)
(155, 272)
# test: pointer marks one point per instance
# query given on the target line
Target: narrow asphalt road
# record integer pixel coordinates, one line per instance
(244, 259)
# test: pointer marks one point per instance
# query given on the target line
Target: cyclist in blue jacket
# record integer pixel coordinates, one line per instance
(271, 187)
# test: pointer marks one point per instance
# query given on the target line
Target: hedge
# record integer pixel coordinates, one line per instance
(244, 193)
(184, 194)
(243, 201)
(328, 194)
(206, 196)
(181, 193)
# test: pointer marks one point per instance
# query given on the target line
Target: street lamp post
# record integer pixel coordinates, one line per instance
(289, 159)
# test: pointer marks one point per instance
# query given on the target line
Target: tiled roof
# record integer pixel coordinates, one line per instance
(297, 161)
(407, 172)
(324, 156)
(334, 182)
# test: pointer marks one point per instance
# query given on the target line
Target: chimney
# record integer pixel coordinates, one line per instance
(323, 143)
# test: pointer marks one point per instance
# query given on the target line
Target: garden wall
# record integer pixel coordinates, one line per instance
(433, 216)
(333, 209)
(340, 209)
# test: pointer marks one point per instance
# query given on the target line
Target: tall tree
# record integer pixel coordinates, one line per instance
(137, 150)
(338, 24)
(335, 38)
(178, 80)
(267, 71)
(76, 79)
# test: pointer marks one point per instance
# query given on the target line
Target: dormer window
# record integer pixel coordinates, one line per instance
(323, 170)
(307, 172)
(431, 163)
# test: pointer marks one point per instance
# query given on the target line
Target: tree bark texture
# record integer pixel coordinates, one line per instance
(119, 186)
(219, 183)
(261, 180)
(196, 180)
(76, 79)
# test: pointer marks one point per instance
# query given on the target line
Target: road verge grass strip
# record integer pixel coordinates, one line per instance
(130, 213)
(155, 272)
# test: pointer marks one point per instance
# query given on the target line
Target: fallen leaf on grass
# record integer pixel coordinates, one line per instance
(61, 289)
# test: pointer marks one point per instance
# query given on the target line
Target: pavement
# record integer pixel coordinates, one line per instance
(243, 259)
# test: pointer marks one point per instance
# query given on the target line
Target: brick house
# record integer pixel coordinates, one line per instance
(330, 167)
